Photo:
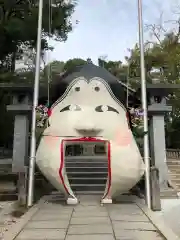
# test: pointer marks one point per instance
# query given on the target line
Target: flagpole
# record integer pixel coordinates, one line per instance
(35, 103)
(144, 105)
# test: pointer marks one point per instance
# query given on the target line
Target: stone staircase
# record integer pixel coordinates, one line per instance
(169, 193)
(87, 174)
(8, 181)
(174, 173)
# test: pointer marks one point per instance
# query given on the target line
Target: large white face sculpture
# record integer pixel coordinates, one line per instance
(87, 109)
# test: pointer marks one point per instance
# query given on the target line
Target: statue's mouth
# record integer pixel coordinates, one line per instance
(89, 132)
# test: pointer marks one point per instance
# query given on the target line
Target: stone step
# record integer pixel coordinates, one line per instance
(88, 169)
(7, 187)
(176, 179)
(172, 173)
(75, 174)
(87, 164)
(175, 162)
(169, 197)
(83, 180)
(173, 165)
(178, 184)
(100, 193)
(169, 193)
(6, 161)
(172, 158)
(174, 169)
(88, 187)
(86, 158)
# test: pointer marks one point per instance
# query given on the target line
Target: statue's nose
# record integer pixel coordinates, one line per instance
(87, 124)
(87, 128)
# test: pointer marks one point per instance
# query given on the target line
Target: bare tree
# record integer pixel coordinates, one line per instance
(157, 31)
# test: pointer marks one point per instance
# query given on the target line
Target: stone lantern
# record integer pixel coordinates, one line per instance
(157, 94)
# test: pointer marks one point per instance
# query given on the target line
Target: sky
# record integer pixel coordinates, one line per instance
(108, 28)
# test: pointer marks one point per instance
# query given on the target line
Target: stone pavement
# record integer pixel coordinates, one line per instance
(88, 221)
(6, 219)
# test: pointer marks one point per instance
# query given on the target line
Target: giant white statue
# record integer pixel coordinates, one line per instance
(89, 110)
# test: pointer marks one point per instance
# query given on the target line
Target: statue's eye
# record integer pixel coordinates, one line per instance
(113, 109)
(71, 108)
(105, 108)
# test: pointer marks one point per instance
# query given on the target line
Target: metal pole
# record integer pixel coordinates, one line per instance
(35, 103)
(144, 105)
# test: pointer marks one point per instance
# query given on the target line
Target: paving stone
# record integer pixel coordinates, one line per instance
(65, 209)
(42, 234)
(47, 217)
(90, 237)
(55, 212)
(133, 226)
(89, 198)
(137, 235)
(89, 220)
(86, 213)
(123, 206)
(90, 229)
(56, 206)
(129, 209)
(90, 208)
(128, 218)
(126, 212)
(53, 224)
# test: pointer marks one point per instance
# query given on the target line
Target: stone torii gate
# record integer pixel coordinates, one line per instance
(21, 107)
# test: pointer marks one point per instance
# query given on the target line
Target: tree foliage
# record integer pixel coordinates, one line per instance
(18, 36)
(118, 69)
(72, 63)
(18, 27)
(52, 69)
(164, 54)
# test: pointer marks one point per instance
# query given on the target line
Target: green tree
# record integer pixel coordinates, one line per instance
(55, 67)
(18, 33)
(18, 27)
(164, 54)
(72, 63)
(117, 69)
(52, 69)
